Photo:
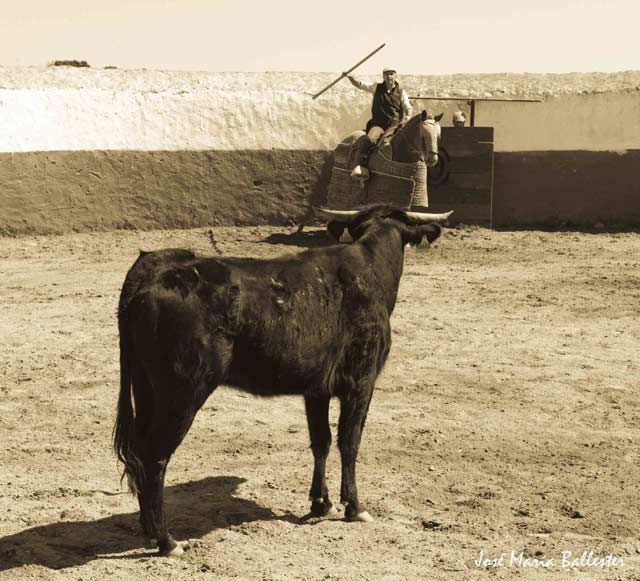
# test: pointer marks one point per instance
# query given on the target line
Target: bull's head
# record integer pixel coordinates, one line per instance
(413, 226)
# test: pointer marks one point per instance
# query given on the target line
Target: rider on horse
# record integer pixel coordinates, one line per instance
(390, 109)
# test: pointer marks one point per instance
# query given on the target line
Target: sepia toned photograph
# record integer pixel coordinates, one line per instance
(319, 291)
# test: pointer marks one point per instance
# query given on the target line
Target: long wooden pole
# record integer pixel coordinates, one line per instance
(343, 75)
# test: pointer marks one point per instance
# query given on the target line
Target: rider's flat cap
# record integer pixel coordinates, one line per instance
(389, 70)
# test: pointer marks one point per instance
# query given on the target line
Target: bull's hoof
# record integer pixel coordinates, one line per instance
(331, 512)
(352, 515)
(363, 516)
(174, 549)
(150, 543)
(321, 509)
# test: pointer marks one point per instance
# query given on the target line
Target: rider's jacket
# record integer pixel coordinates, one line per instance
(386, 109)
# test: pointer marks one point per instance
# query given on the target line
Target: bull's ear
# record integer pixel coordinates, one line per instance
(416, 234)
(431, 231)
(335, 230)
(438, 117)
(424, 115)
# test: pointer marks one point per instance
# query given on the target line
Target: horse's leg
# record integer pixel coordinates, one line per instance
(317, 409)
(354, 405)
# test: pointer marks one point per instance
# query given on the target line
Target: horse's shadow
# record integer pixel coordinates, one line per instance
(305, 239)
(195, 509)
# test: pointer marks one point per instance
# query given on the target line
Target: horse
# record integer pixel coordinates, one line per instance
(398, 170)
(417, 140)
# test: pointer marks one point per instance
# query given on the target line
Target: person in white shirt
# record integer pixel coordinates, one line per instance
(459, 119)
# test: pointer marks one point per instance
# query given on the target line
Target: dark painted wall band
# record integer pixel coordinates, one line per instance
(58, 192)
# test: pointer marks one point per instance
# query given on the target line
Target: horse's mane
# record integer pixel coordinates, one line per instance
(411, 136)
(413, 120)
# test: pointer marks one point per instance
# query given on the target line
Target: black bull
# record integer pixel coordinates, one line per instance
(314, 323)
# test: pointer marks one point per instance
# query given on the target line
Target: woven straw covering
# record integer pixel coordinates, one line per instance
(391, 182)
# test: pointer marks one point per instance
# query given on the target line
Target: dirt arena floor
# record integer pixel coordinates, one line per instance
(505, 422)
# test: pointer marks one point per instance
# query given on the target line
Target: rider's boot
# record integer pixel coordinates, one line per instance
(360, 172)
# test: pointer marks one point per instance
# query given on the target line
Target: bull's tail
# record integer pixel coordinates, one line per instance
(124, 431)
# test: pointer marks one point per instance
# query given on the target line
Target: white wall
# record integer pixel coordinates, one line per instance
(129, 110)
(597, 122)
(91, 119)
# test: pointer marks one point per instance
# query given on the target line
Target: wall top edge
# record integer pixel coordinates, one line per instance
(166, 151)
(487, 85)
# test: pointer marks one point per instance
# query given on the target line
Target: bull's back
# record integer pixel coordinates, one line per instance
(287, 324)
(146, 269)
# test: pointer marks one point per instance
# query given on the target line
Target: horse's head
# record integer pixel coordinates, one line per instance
(418, 139)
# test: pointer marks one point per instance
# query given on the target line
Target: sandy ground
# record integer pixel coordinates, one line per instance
(506, 420)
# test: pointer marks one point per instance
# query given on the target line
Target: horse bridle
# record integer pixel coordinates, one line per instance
(427, 147)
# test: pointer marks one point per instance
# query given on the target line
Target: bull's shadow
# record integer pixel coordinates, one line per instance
(196, 508)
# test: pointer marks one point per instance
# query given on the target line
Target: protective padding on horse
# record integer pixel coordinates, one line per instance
(401, 184)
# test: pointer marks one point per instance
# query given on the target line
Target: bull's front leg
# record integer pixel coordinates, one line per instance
(317, 409)
(354, 405)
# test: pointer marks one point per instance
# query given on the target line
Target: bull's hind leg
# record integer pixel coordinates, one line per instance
(169, 427)
(317, 409)
(153, 499)
(144, 415)
(354, 405)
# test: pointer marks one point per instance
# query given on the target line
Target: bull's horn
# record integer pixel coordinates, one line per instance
(423, 217)
(349, 215)
(337, 215)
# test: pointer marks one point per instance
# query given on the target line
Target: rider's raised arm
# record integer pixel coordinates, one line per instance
(369, 87)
